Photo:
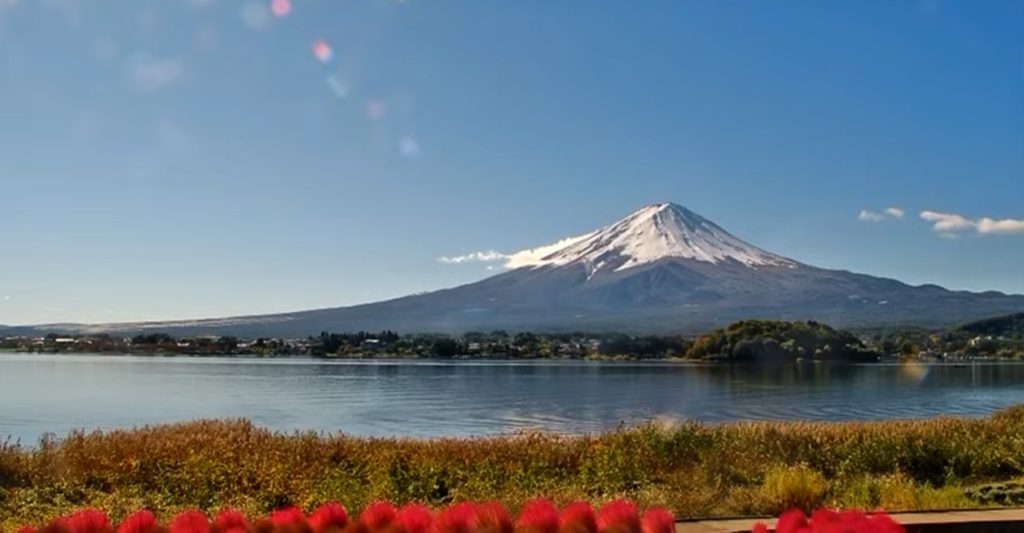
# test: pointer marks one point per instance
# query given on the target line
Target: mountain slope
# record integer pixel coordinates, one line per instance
(662, 268)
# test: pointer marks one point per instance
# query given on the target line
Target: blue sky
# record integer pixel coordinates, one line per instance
(171, 159)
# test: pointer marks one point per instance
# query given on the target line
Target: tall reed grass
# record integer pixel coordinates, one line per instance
(694, 469)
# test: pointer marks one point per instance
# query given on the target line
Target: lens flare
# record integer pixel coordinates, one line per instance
(338, 85)
(376, 109)
(408, 146)
(914, 371)
(322, 51)
(280, 8)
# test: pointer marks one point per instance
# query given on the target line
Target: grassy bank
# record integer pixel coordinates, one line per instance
(694, 469)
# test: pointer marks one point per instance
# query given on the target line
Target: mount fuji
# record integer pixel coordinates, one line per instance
(663, 268)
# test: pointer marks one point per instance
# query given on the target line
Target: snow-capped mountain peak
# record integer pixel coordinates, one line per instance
(652, 233)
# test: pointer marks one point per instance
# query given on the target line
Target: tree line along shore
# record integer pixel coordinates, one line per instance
(744, 341)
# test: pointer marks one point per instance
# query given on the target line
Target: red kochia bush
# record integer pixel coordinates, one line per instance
(89, 521)
(618, 516)
(138, 522)
(458, 518)
(491, 517)
(658, 520)
(191, 521)
(378, 515)
(831, 521)
(287, 516)
(230, 520)
(414, 518)
(328, 517)
(577, 517)
(538, 516)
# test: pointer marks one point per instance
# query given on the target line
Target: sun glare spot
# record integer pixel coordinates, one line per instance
(914, 371)
(280, 8)
(322, 51)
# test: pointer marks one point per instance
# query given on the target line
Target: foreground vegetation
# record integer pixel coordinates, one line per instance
(537, 516)
(745, 341)
(692, 468)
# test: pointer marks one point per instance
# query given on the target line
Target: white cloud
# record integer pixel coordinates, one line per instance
(486, 256)
(524, 258)
(867, 215)
(870, 216)
(1005, 225)
(151, 74)
(946, 222)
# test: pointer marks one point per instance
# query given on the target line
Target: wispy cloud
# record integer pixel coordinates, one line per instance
(148, 73)
(946, 224)
(867, 215)
(870, 216)
(486, 256)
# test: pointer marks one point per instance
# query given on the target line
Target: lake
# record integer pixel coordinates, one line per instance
(56, 393)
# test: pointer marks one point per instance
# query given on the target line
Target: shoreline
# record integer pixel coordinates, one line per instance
(398, 358)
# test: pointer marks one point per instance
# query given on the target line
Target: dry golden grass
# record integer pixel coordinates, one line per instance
(694, 469)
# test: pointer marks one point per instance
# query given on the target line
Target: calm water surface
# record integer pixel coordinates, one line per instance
(55, 393)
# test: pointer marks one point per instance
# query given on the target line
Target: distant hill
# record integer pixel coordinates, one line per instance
(661, 269)
(778, 341)
(1009, 326)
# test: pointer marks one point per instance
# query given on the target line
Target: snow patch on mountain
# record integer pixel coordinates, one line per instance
(653, 233)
